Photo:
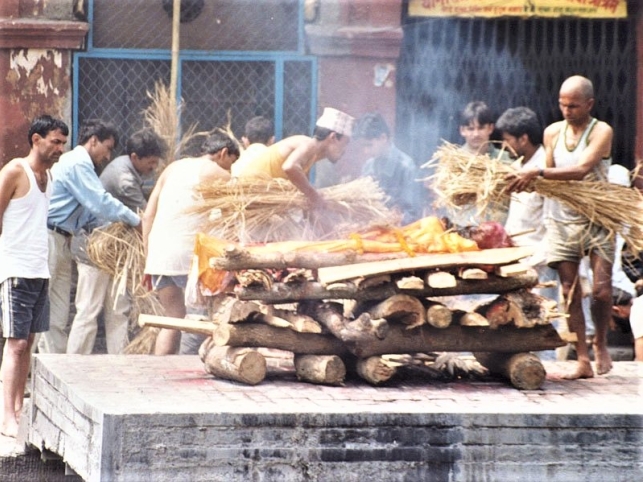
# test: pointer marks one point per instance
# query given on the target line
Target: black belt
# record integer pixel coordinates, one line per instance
(56, 229)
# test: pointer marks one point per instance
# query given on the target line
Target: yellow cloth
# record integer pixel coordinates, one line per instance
(267, 164)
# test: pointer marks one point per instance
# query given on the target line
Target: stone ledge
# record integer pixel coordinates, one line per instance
(383, 42)
(31, 33)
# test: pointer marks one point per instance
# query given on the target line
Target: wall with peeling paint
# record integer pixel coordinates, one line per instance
(33, 81)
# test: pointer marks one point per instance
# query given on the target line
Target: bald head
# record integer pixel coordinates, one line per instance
(577, 86)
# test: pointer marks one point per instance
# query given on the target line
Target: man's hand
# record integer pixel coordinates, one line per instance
(520, 181)
(316, 200)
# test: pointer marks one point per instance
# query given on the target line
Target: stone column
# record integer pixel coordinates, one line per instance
(36, 41)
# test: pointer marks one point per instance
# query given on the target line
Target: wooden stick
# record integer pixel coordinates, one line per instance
(183, 324)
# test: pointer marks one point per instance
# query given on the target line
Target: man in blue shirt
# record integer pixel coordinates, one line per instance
(394, 171)
(78, 197)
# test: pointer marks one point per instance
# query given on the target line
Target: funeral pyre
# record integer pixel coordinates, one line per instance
(369, 304)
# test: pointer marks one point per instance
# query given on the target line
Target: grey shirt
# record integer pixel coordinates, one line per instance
(124, 182)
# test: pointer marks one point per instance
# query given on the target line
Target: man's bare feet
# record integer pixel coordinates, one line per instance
(10, 428)
(603, 360)
(583, 370)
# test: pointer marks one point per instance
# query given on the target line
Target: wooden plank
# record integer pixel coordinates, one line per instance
(498, 256)
(183, 324)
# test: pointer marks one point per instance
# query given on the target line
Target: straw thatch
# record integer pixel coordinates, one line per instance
(118, 250)
(252, 210)
(462, 178)
(163, 116)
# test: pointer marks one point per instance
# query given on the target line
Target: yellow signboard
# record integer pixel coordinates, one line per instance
(519, 8)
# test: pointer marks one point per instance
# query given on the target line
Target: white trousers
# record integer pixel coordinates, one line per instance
(60, 266)
(94, 294)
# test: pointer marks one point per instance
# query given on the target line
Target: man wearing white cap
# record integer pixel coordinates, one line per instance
(293, 157)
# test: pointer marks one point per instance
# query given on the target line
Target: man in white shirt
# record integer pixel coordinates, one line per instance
(25, 191)
(522, 135)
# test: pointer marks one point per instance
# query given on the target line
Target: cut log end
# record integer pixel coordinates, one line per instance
(375, 370)
(237, 364)
(320, 369)
(525, 371)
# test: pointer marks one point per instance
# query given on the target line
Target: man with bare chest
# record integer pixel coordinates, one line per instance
(578, 148)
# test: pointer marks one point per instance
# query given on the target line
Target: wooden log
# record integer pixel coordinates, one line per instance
(183, 324)
(511, 270)
(502, 311)
(283, 293)
(320, 369)
(465, 318)
(299, 322)
(472, 274)
(375, 370)
(525, 371)
(537, 309)
(239, 364)
(367, 324)
(494, 257)
(229, 309)
(438, 315)
(410, 283)
(236, 258)
(441, 279)
(403, 308)
(330, 315)
(259, 335)
(426, 339)
(373, 281)
(205, 348)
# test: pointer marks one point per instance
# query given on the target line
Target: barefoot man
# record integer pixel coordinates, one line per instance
(578, 148)
(25, 190)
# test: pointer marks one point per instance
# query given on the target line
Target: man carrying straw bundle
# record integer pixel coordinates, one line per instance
(293, 157)
(123, 178)
(577, 148)
(169, 231)
(77, 196)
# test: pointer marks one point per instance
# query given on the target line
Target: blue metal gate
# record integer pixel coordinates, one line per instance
(113, 77)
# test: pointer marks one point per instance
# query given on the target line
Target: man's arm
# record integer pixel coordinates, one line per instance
(294, 167)
(83, 183)
(152, 206)
(599, 147)
(9, 178)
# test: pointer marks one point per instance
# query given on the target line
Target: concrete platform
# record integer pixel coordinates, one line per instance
(144, 418)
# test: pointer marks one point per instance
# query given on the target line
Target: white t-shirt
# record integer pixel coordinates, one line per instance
(526, 213)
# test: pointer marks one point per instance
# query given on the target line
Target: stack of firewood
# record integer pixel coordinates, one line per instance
(355, 317)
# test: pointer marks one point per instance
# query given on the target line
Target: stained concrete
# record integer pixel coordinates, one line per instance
(144, 418)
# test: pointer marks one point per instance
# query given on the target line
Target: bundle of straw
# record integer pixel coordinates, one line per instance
(118, 250)
(253, 210)
(163, 117)
(462, 178)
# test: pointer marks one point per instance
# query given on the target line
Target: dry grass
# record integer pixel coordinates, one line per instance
(464, 179)
(264, 211)
(163, 115)
(118, 250)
